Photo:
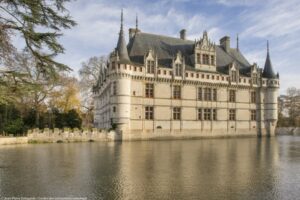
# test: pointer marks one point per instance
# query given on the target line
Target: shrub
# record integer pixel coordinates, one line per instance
(14, 127)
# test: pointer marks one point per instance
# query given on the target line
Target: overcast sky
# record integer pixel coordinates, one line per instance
(256, 21)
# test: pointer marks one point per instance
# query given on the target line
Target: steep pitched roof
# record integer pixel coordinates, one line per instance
(268, 69)
(166, 48)
(121, 46)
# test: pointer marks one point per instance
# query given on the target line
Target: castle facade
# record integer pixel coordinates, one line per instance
(161, 86)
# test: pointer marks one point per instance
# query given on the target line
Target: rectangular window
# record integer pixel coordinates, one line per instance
(200, 94)
(114, 88)
(253, 97)
(149, 90)
(198, 58)
(207, 114)
(176, 113)
(199, 113)
(231, 95)
(253, 115)
(176, 92)
(205, 59)
(214, 95)
(212, 60)
(113, 65)
(207, 94)
(150, 67)
(232, 114)
(214, 113)
(149, 113)
(254, 78)
(178, 70)
(233, 76)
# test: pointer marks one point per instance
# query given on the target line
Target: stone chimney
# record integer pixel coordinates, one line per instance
(225, 43)
(132, 32)
(183, 34)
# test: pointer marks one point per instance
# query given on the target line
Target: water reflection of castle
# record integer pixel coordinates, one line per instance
(209, 169)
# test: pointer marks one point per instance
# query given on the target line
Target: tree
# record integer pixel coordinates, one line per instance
(72, 119)
(293, 104)
(89, 75)
(66, 96)
(39, 24)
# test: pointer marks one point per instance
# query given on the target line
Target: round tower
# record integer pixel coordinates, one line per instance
(122, 84)
(271, 95)
(123, 102)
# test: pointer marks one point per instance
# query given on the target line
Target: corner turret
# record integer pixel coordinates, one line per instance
(271, 95)
(268, 69)
(121, 46)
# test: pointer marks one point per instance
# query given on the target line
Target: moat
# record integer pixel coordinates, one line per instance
(234, 168)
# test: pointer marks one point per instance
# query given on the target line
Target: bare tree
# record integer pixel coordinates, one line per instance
(89, 74)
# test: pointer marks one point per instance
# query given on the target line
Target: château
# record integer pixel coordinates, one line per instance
(161, 86)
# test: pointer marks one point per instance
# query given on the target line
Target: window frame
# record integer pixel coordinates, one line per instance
(149, 112)
(176, 92)
(253, 115)
(149, 90)
(176, 113)
(232, 96)
(232, 114)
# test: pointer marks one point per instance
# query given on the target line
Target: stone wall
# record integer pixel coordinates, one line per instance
(68, 135)
(13, 140)
(287, 131)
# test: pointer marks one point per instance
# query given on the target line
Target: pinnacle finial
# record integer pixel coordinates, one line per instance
(136, 22)
(122, 19)
(237, 41)
(267, 46)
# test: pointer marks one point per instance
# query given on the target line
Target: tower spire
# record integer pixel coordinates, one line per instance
(121, 28)
(121, 46)
(237, 41)
(136, 22)
(268, 69)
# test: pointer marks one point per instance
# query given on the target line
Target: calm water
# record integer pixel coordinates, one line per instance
(240, 168)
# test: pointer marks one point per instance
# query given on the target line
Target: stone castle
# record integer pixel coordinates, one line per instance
(161, 86)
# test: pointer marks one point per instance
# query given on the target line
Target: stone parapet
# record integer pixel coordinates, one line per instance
(69, 135)
(287, 131)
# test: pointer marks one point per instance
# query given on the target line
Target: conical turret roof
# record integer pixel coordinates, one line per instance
(121, 46)
(268, 69)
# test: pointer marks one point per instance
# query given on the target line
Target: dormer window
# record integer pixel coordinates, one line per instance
(233, 76)
(150, 67)
(198, 58)
(212, 60)
(254, 78)
(205, 59)
(178, 69)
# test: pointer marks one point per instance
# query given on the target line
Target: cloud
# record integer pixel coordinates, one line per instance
(256, 21)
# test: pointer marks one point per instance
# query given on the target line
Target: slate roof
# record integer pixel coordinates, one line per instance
(166, 48)
(268, 69)
(121, 45)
